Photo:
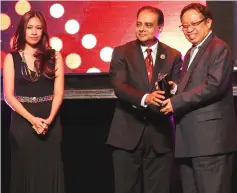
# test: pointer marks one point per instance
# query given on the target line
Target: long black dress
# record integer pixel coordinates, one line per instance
(36, 163)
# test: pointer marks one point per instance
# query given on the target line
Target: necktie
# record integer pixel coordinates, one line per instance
(149, 64)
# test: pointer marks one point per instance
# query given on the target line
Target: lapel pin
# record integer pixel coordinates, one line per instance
(162, 56)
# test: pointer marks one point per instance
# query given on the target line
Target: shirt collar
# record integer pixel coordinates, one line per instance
(153, 48)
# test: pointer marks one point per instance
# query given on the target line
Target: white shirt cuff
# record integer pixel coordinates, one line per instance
(143, 101)
(174, 90)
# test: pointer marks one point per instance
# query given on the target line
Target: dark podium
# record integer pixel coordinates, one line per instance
(86, 115)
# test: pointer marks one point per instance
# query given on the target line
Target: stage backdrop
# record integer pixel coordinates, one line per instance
(87, 31)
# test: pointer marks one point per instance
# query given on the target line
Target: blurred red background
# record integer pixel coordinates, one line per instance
(111, 23)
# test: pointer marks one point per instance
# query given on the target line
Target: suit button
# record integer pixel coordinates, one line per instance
(144, 118)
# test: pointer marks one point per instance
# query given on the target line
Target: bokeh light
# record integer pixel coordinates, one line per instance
(106, 54)
(56, 43)
(5, 21)
(72, 26)
(93, 70)
(73, 60)
(89, 41)
(56, 10)
(22, 7)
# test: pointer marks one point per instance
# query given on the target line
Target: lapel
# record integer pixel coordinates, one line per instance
(138, 60)
(160, 64)
(194, 63)
(185, 64)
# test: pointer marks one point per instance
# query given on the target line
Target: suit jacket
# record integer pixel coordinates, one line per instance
(203, 105)
(130, 81)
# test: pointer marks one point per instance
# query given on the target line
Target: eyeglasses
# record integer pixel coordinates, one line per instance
(185, 27)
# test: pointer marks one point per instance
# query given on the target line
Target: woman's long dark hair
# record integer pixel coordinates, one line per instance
(45, 55)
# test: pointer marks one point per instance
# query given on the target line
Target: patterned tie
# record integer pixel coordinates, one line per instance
(149, 63)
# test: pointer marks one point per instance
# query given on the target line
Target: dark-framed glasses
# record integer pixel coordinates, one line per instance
(184, 27)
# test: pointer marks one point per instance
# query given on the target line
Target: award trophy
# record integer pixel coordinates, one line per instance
(163, 84)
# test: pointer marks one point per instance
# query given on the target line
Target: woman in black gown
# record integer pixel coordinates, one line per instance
(33, 76)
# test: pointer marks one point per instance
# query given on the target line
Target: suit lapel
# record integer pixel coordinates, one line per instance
(194, 63)
(161, 57)
(139, 61)
(185, 63)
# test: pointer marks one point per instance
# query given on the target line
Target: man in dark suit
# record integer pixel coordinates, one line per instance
(141, 136)
(206, 129)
